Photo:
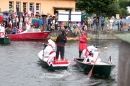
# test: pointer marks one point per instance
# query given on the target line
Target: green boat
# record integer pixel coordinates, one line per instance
(102, 68)
(57, 65)
(5, 40)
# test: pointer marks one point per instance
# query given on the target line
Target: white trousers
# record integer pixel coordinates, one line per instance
(51, 58)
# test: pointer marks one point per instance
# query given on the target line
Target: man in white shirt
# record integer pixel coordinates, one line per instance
(92, 59)
(91, 49)
(49, 51)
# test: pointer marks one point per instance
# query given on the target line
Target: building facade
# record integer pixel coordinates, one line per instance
(40, 6)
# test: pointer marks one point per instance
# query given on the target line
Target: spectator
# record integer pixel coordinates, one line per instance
(102, 23)
(1, 19)
(75, 30)
(14, 30)
(49, 27)
(17, 8)
(32, 9)
(11, 9)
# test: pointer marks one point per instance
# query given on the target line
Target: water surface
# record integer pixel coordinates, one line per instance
(19, 65)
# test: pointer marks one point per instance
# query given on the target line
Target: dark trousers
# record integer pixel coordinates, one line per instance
(80, 52)
(102, 25)
(60, 49)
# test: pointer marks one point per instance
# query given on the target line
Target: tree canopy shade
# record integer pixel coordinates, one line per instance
(124, 4)
(94, 6)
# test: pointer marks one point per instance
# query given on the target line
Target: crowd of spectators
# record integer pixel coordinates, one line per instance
(15, 22)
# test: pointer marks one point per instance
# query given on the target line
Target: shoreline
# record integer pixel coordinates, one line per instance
(90, 35)
(68, 38)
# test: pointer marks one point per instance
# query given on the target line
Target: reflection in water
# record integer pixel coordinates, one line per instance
(19, 65)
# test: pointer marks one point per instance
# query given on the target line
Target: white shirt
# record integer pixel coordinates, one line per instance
(17, 20)
(95, 56)
(27, 26)
(91, 58)
(26, 19)
(2, 29)
(47, 50)
(92, 48)
(20, 24)
(29, 12)
(97, 59)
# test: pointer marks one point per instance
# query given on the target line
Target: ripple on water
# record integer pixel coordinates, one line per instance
(56, 74)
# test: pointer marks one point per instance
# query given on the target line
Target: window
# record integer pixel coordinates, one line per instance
(37, 8)
(31, 6)
(11, 4)
(18, 6)
(24, 6)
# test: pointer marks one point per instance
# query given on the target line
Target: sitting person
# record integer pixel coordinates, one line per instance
(92, 59)
(8, 30)
(14, 30)
(49, 51)
(88, 50)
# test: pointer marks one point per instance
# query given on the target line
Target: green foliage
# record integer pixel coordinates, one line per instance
(94, 6)
(112, 10)
(123, 12)
(124, 4)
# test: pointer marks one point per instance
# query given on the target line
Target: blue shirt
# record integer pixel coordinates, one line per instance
(40, 22)
(102, 21)
(32, 9)
(14, 30)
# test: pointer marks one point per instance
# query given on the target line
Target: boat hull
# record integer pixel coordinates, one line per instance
(28, 36)
(100, 69)
(57, 65)
(4, 40)
(53, 68)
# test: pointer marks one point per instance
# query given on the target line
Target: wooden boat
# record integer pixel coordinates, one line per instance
(57, 65)
(30, 35)
(5, 40)
(101, 68)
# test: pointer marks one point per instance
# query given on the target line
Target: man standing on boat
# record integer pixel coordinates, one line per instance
(49, 51)
(60, 42)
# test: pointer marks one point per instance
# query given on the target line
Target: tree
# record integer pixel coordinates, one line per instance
(94, 6)
(124, 4)
(123, 12)
(123, 7)
(112, 10)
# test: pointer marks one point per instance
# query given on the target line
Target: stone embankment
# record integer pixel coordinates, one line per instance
(90, 34)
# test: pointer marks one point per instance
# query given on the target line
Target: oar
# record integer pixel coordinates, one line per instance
(90, 72)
